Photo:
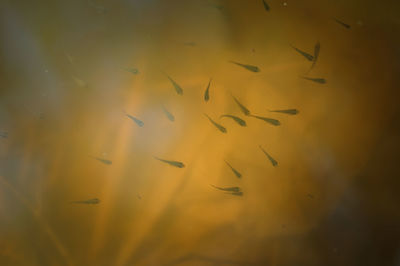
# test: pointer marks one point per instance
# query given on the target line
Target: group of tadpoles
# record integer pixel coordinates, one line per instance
(230, 190)
(241, 122)
(236, 191)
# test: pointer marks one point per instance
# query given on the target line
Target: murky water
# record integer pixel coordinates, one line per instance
(71, 71)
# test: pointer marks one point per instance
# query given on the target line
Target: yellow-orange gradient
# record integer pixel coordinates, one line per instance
(152, 213)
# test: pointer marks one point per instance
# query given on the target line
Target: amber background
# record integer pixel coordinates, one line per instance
(342, 148)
